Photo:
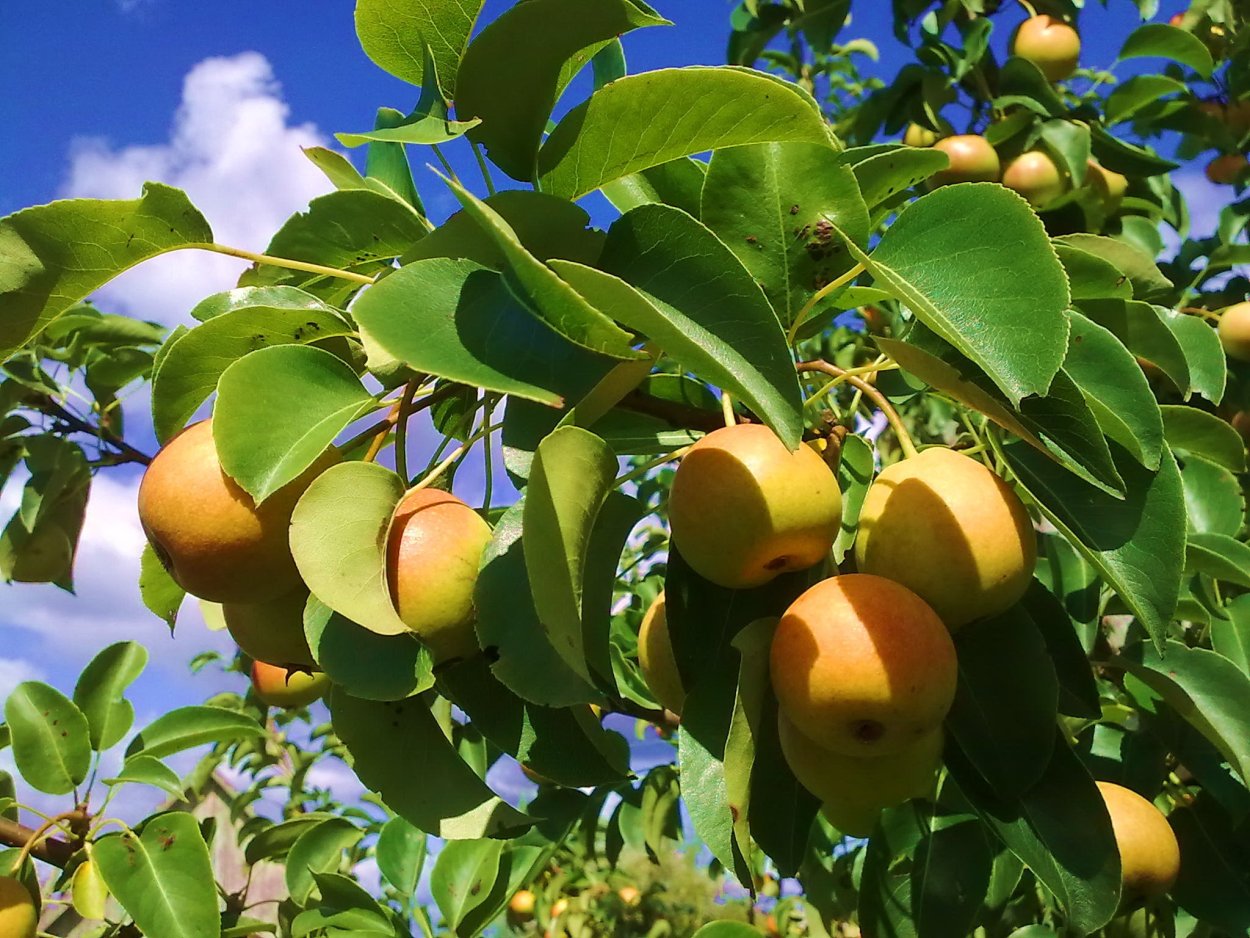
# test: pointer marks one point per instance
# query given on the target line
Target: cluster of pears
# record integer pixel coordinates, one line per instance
(219, 545)
(862, 664)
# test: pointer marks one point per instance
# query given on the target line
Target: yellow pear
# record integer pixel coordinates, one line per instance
(972, 159)
(1110, 185)
(214, 540)
(1036, 177)
(19, 916)
(656, 658)
(862, 666)
(1150, 857)
(917, 135)
(279, 687)
(855, 790)
(433, 552)
(273, 631)
(950, 530)
(1050, 44)
(521, 907)
(744, 509)
(1234, 331)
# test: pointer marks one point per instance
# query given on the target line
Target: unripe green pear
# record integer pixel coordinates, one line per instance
(273, 631)
(1226, 169)
(214, 540)
(972, 159)
(862, 666)
(279, 687)
(1050, 44)
(1110, 185)
(1150, 857)
(744, 509)
(917, 135)
(433, 552)
(950, 530)
(19, 916)
(1036, 177)
(42, 556)
(656, 658)
(1234, 331)
(855, 790)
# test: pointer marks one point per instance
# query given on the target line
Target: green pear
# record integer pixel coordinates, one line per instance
(280, 687)
(1050, 44)
(744, 509)
(1108, 184)
(950, 530)
(273, 631)
(656, 658)
(972, 159)
(862, 666)
(214, 540)
(434, 549)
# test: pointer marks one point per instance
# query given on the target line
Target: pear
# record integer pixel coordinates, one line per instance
(1234, 331)
(1150, 857)
(972, 159)
(862, 666)
(273, 631)
(744, 509)
(1110, 185)
(1226, 168)
(521, 907)
(19, 916)
(1050, 44)
(279, 687)
(214, 540)
(1036, 177)
(950, 530)
(434, 549)
(854, 790)
(656, 658)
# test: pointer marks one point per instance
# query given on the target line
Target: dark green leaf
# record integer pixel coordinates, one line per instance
(50, 738)
(1198, 433)
(1158, 40)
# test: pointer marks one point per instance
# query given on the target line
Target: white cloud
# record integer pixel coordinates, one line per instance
(233, 151)
(14, 671)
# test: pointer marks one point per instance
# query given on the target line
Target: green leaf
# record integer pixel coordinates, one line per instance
(1231, 637)
(1003, 719)
(338, 538)
(1212, 883)
(511, 83)
(955, 258)
(318, 849)
(1139, 326)
(1078, 691)
(1219, 556)
(678, 183)
(1198, 433)
(949, 877)
(1136, 543)
(648, 119)
(100, 688)
(462, 877)
(255, 318)
(148, 770)
(161, 595)
(421, 129)
(1158, 40)
(1204, 354)
(772, 205)
(457, 320)
(188, 727)
(1143, 274)
(1091, 277)
(275, 841)
(52, 256)
(364, 663)
(692, 296)
(303, 397)
(1140, 92)
(1214, 502)
(572, 474)
(163, 878)
(393, 743)
(526, 662)
(1204, 688)
(1121, 157)
(394, 33)
(400, 852)
(1115, 389)
(726, 930)
(1061, 830)
(855, 471)
(50, 738)
(542, 291)
(882, 176)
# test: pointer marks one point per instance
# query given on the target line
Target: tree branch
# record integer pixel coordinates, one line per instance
(125, 452)
(50, 850)
(678, 415)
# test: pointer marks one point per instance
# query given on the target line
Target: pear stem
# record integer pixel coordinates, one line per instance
(727, 409)
(896, 422)
(434, 474)
(819, 295)
(639, 471)
(864, 371)
(271, 261)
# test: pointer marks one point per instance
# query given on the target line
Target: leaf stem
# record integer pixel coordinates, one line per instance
(881, 364)
(451, 173)
(819, 295)
(37, 836)
(639, 471)
(481, 164)
(896, 422)
(434, 474)
(271, 261)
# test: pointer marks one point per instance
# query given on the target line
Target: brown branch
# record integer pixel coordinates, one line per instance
(50, 850)
(664, 719)
(125, 452)
(678, 415)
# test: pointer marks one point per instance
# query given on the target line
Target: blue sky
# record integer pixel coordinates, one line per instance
(218, 97)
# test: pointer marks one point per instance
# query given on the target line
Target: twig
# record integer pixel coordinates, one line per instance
(125, 452)
(36, 843)
(904, 438)
(819, 295)
(434, 474)
(665, 719)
